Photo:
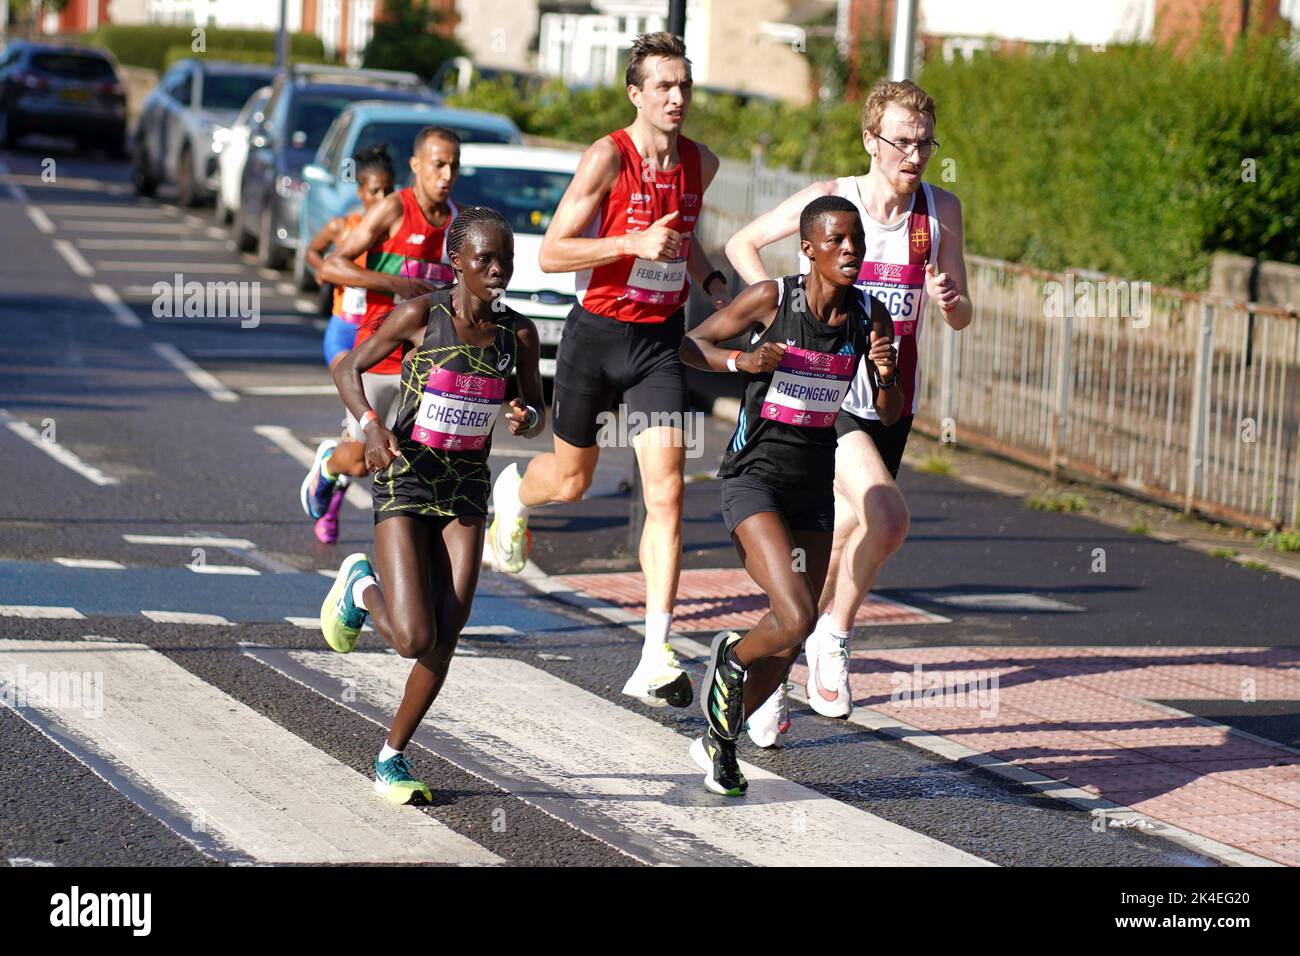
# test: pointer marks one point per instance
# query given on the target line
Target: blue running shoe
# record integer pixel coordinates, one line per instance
(340, 618)
(395, 782)
(317, 490)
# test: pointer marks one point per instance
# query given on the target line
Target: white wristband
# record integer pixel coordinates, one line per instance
(731, 364)
(533, 419)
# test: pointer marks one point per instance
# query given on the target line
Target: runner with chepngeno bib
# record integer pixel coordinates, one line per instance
(808, 336)
(914, 252)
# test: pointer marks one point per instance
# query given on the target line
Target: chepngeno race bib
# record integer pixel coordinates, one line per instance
(808, 387)
(458, 410)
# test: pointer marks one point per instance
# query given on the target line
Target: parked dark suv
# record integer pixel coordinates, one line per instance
(304, 102)
(62, 90)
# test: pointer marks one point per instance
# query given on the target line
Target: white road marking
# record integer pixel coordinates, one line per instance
(66, 182)
(186, 245)
(73, 258)
(270, 274)
(291, 355)
(96, 563)
(216, 232)
(285, 440)
(34, 612)
(189, 540)
(286, 288)
(169, 269)
(56, 451)
(40, 220)
(477, 630)
(1001, 602)
(279, 391)
(99, 225)
(613, 773)
(121, 312)
(26, 861)
(306, 623)
(224, 777)
(199, 376)
(186, 617)
(223, 569)
(101, 209)
(306, 306)
(16, 191)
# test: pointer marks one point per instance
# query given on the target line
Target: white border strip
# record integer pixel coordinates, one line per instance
(55, 450)
(120, 311)
(73, 258)
(198, 376)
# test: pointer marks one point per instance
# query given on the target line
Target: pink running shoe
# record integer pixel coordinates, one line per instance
(327, 525)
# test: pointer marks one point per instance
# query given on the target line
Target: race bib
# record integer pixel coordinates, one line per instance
(458, 410)
(354, 305)
(430, 271)
(808, 387)
(899, 288)
(659, 283)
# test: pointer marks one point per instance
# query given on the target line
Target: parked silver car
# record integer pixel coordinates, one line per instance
(176, 137)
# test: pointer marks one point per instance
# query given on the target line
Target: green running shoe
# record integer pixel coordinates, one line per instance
(340, 618)
(723, 697)
(395, 782)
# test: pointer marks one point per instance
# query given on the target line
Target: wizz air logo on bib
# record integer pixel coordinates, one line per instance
(469, 384)
(890, 271)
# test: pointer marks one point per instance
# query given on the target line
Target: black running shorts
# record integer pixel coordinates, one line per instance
(890, 440)
(601, 358)
(804, 509)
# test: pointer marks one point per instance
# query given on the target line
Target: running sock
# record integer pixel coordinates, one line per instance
(827, 627)
(511, 506)
(326, 473)
(388, 753)
(359, 588)
(657, 627)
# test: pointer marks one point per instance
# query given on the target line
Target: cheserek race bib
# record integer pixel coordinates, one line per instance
(458, 410)
(808, 387)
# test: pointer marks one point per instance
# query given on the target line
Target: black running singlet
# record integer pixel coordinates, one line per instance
(450, 397)
(785, 436)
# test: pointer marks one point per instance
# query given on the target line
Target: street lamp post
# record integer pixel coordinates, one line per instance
(281, 37)
(903, 49)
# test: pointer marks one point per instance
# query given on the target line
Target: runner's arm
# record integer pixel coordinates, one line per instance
(327, 236)
(339, 267)
(952, 259)
(889, 401)
(564, 248)
(755, 306)
(743, 248)
(406, 323)
(529, 379)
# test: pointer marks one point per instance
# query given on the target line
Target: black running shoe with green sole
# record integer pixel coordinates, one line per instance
(723, 699)
(717, 758)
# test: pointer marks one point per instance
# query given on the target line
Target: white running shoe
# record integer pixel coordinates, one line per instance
(828, 674)
(771, 720)
(510, 540)
(659, 678)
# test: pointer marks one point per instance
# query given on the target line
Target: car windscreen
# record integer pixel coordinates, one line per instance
(230, 91)
(399, 137)
(74, 66)
(526, 197)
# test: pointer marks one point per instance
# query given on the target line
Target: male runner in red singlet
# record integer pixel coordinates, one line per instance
(914, 250)
(625, 226)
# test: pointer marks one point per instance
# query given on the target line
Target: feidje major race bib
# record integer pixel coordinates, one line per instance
(658, 283)
(808, 387)
(458, 410)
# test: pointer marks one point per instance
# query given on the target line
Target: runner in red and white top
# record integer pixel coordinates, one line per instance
(914, 252)
(625, 226)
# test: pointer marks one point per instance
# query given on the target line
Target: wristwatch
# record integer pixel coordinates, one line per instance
(893, 382)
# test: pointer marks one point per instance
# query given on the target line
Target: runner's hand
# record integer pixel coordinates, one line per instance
(518, 416)
(658, 243)
(941, 288)
(765, 360)
(381, 447)
(882, 354)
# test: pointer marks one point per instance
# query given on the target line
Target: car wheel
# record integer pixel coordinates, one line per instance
(145, 184)
(304, 280)
(245, 241)
(185, 192)
(268, 253)
(118, 146)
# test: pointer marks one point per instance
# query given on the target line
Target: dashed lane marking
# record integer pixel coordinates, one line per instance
(56, 451)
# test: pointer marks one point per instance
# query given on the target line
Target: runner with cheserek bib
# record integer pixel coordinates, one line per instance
(913, 234)
(809, 335)
(625, 226)
(432, 481)
(403, 244)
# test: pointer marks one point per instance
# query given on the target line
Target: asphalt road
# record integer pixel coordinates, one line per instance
(179, 445)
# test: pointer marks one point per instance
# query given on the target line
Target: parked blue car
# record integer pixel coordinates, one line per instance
(331, 180)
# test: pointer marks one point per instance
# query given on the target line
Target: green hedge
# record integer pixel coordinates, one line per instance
(266, 57)
(149, 46)
(1128, 161)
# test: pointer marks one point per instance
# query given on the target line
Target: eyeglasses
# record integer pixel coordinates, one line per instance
(923, 147)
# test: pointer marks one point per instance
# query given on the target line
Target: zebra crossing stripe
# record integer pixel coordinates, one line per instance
(227, 779)
(610, 772)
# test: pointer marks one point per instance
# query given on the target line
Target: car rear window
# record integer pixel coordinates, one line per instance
(230, 91)
(74, 66)
(526, 197)
(310, 118)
